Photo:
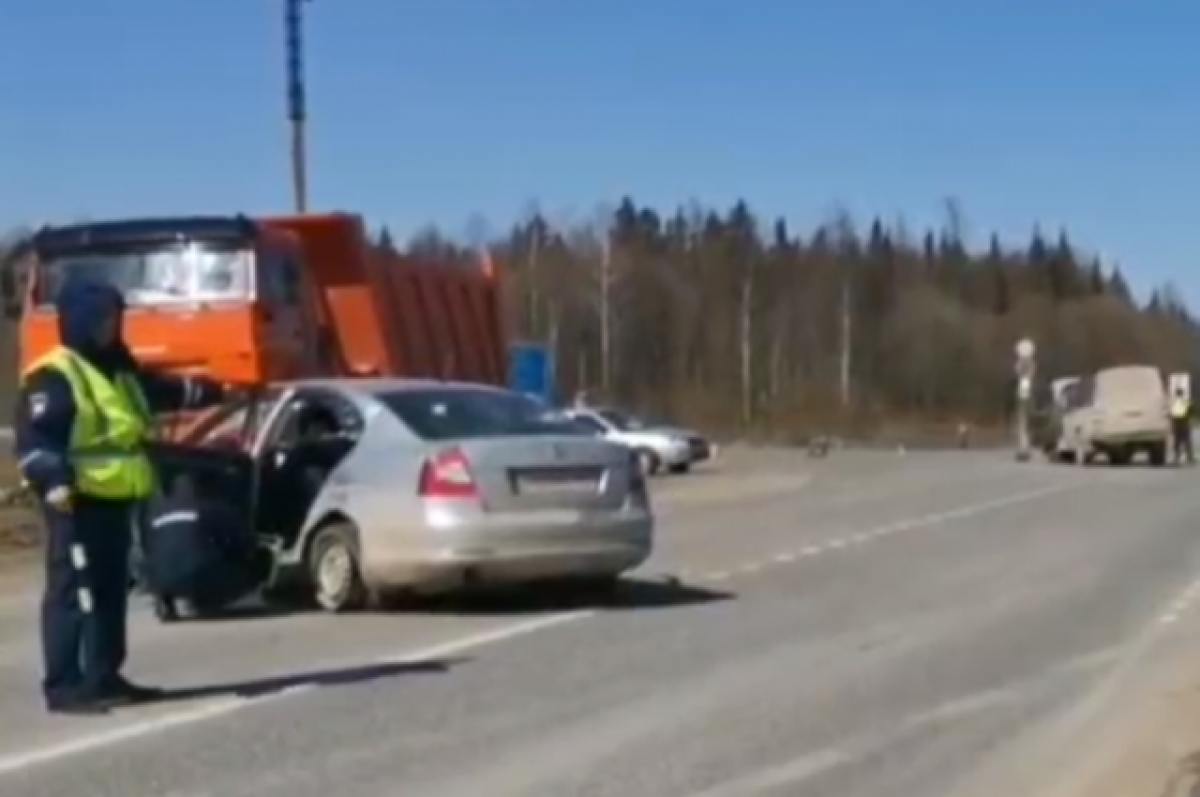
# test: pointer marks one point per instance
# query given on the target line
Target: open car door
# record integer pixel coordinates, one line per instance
(214, 458)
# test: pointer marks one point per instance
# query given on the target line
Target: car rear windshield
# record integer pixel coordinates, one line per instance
(459, 414)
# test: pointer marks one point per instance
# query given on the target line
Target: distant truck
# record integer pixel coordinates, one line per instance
(263, 300)
(1117, 413)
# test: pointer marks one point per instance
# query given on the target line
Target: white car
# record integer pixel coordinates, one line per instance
(657, 446)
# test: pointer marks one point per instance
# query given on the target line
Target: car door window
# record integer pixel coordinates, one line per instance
(1082, 395)
(238, 425)
(306, 441)
(306, 411)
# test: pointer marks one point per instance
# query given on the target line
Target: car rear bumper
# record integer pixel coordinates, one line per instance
(674, 455)
(1130, 439)
(509, 554)
(1130, 434)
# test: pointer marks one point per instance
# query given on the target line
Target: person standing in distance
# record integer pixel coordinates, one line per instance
(83, 415)
(1181, 427)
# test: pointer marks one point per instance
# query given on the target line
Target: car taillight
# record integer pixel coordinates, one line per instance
(637, 478)
(447, 475)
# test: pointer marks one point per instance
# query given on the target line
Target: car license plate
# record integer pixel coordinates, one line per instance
(557, 481)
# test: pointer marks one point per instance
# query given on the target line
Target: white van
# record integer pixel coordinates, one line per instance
(1119, 413)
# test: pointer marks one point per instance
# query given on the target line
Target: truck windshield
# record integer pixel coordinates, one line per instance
(146, 277)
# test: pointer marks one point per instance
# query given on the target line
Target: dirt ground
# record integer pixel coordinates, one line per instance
(19, 529)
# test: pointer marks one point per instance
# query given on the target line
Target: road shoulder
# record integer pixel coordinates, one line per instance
(1151, 746)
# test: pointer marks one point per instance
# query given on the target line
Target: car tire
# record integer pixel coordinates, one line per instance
(680, 468)
(333, 567)
(648, 461)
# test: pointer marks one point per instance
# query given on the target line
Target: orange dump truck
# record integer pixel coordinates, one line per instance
(259, 300)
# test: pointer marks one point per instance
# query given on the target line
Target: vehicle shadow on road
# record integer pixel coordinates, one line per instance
(340, 676)
(243, 614)
(629, 594)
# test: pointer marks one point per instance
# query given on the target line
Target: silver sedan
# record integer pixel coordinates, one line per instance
(371, 487)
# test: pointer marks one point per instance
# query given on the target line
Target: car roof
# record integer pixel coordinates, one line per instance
(375, 386)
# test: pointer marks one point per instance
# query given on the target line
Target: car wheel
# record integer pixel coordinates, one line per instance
(648, 461)
(681, 468)
(333, 566)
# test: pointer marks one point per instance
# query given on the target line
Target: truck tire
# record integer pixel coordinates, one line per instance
(333, 567)
(1157, 453)
(1120, 456)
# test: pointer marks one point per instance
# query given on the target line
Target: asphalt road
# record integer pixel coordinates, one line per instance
(866, 625)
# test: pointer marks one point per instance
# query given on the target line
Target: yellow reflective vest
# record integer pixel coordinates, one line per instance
(112, 423)
(1179, 408)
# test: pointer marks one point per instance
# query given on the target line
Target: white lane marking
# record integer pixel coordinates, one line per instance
(970, 510)
(681, 499)
(19, 762)
(925, 521)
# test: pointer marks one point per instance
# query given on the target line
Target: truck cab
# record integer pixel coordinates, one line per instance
(222, 295)
(256, 301)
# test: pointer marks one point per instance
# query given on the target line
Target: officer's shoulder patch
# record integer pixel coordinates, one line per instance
(37, 404)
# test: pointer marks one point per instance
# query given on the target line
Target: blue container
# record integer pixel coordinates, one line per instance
(531, 370)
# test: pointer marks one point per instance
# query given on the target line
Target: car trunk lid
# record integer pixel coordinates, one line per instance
(519, 473)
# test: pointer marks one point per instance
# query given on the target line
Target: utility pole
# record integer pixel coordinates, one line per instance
(606, 281)
(297, 113)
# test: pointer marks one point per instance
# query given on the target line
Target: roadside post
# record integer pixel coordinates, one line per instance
(1025, 367)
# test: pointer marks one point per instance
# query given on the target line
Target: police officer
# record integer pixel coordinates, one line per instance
(1181, 426)
(83, 414)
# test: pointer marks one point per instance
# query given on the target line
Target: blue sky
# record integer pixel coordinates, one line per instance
(1083, 114)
